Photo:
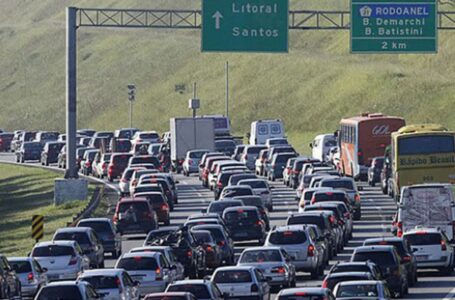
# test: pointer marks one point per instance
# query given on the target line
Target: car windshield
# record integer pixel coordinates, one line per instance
(357, 290)
(21, 266)
(200, 291)
(137, 263)
(380, 258)
(329, 196)
(261, 256)
(97, 226)
(423, 239)
(60, 293)
(306, 297)
(259, 184)
(232, 277)
(337, 184)
(53, 250)
(287, 237)
(80, 237)
(102, 282)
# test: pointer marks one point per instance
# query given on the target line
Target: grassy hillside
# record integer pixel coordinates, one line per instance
(311, 87)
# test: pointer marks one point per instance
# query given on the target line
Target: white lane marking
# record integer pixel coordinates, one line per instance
(450, 295)
(379, 209)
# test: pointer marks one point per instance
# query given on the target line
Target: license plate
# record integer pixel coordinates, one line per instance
(421, 257)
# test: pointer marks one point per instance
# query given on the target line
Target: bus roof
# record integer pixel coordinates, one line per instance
(368, 117)
(422, 128)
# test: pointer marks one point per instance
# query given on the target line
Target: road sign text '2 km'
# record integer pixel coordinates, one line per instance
(245, 25)
(390, 26)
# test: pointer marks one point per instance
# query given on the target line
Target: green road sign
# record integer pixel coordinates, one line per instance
(245, 25)
(391, 26)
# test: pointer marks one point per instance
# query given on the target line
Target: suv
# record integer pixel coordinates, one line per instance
(31, 275)
(29, 151)
(222, 239)
(107, 233)
(404, 250)
(277, 165)
(245, 223)
(135, 215)
(374, 171)
(431, 248)
(192, 160)
(250, 154)
(388, 260)
(296, 241)
(88, 241)
(10, 285)
(159, 204)
(117, 164)
(50, 152)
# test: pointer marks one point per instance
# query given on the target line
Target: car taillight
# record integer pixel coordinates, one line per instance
(259, 223)
(313, 200)
(118, 283)
(407, 258)
(221, 243)
(279, 270)
(357, 197)
(245, 157)
(73, 260)
(302, 204)
(30, 277)
(87, 164)
(254, 288)
(104, 166)
(347, 215)
(332, 219)
(220, 185)
(400, 229)
(288, 171)
(165, 207)
(273, 166)
(310, 250)
(209, 249)
(324, 284)
(110, 169)
(443, 245)
(189, 253)
(124, 180)
(115, 218)
(134, 182)
(147, 215)
(158, 274)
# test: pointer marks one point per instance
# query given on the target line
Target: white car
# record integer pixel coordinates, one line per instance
(146, 136)
(260, 188)
(177, 269)
(431, 248)
(30, 273)
(242, 281)
(61, 290)
(124, 183)
(362, 289)
(201, 289)
(111, 284)
(62, 259)
(192, 159)
(151, 269)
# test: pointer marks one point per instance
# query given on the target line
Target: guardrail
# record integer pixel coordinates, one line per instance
(86, 212)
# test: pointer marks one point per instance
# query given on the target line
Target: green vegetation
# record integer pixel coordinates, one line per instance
(310, 88)
(25, 192)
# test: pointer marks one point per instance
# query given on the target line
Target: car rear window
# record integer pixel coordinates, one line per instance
(355, 290)
(332, 282)
(260, 256)
(200, 291)
(283, 158)
(308, 195)
(254, 150)
(423, 239)
(317, 220)
(80, 237)
(149, 136)
(197, 155)
(344, 184)
(165, 298)
(329, 196)
(138, 263)
(216, 233)
(121, 159)
(97, 226)
(307, 296)
(225, 144)
(287, 237)
(203, 237)
(232, 277)
(378, 257)
(122, 146)
(398, 245)
(21, 266)
(232, 192)
(236, 178)
(243, 216)
(60, 292)
(137, 206)
(259, 184)
(351, 268)
(102, 282)
(220, 206)
(252, 201)
(53, 250)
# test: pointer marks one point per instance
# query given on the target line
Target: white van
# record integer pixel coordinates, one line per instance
(265, 129)
(427, 205)
(321, 146)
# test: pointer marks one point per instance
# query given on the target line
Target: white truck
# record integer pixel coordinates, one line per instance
(427, 205)
(262, 130)
(190, 134)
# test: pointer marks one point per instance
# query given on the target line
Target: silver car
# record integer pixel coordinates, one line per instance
(61, 290)
(192, 159)
(242, 281)
(63, 259)
(151, 269)
(250, 154)
(261, 188)
(111, 284)
(362, 289)
(296, 241)
(30, 273)
(273, 262)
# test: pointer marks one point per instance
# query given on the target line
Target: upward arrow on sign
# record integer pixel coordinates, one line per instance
(218, 16)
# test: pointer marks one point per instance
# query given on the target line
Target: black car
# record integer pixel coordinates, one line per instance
(135, 216)
(332, 279)
(259, 204)
(388, 260)
(218, 207)
(237, 177)
(404, 251)
(225, 146)
(374, 171)
(222, 181)
(29, 151)
(186, 249)
(222, 239)
(10, 285)
(50, 152)
(107, 233)
(245, 223)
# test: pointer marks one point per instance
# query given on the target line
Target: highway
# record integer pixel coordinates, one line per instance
(377, 211)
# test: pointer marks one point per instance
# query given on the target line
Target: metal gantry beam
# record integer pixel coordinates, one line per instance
(191, 19)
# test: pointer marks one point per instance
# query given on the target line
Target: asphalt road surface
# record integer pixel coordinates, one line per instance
(377, 211)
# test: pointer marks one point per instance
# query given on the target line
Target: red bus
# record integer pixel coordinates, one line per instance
(362, 138)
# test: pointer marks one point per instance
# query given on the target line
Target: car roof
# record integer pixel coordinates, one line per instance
(235, 268)
(310, 290)
(375, 248)
(262, 248)
(361, 282)
(236, 208)
(152, 247)
(56, 243)
(343, 274)
(165, 229)
(191, 281)
(95, 220)
(422, 229)
(355, 263)
(297, 227)
(384, 238)
(20, 258)
(66, 282)
(252, 179)
(142, 254)
(175, 294)
(73, 229)
(106, 272)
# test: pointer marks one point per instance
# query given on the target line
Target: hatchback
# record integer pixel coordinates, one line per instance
(213, 252)
(261, 188)
(159, 204)
(10, 282)
(349, 186)
(259, 164)
(63, 260)
(241, 281)
(30, 273)
(106, 232)
(111, 284)
(218, 207)
(150, 269)
(305, 294)
(222, 239)
(236, 190)
(5, 141)
(99, 166)
(273, 262)
(277, 165)
(201, 289)
(332, 279)
(87, 239)
(358, 266)
(245, 223)
(171, 295)
(68, 290)
(365, 289)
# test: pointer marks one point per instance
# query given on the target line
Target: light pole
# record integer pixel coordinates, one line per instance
(131, 98)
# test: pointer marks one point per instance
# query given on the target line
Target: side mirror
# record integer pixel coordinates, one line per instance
(177, 181)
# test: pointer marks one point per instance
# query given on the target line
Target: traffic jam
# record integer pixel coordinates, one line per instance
(234, 248)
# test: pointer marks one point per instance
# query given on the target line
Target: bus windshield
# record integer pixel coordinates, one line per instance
(426, 145)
